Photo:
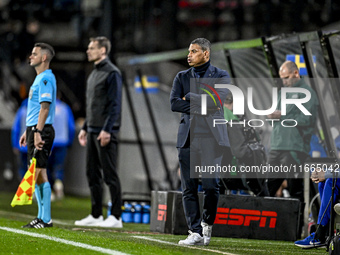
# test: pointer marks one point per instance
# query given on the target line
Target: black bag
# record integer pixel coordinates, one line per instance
(334, 245)
(246, 146)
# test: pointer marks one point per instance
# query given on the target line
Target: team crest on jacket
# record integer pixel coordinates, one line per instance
(45, 82)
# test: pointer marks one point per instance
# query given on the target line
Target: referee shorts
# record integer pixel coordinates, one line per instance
(41, 155)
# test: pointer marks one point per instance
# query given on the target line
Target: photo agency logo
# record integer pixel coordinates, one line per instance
(239, 102)
(204, 98)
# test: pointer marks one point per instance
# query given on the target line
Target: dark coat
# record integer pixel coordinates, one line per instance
(191, 107)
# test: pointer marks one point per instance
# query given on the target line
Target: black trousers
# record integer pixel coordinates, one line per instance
(101, 164)
(202, 152)
(295, 180)
(47, 136)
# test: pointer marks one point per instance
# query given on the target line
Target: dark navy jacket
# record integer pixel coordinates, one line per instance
(191, 107)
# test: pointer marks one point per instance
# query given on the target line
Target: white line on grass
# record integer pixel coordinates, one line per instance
(27, 216)
(187, 246)
(60, 240)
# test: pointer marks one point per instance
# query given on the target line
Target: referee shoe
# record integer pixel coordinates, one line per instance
(42, 224)
(32, 223)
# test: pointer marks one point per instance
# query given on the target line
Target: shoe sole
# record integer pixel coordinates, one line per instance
(207, 240)
(44, 227)
(86, 225)
(310, 246)
(109, 226)
(198, 244)
(30, 226)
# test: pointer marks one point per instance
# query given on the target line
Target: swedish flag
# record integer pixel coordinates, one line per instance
(299, 60)
(150, 83)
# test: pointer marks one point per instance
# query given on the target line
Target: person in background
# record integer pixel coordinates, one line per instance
(18, 128)
(39, 134)
(290, 146)
(99, 134)
(325, 184)
(64, 126)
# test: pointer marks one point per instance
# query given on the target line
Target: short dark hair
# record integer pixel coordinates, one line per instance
(47, 48)
(102, 42)
(203, 43)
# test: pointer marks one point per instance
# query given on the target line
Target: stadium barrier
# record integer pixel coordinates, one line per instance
(265, 218)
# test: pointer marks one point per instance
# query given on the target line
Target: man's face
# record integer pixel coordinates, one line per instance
(289, 78)
(94, 53)
(197, 56)
(36, 57)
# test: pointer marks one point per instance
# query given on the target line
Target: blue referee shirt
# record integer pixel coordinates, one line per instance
(43, 90)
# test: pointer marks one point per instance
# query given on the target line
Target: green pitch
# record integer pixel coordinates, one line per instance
(65, 238)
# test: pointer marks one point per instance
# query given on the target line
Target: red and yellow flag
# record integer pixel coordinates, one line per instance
(25, 191)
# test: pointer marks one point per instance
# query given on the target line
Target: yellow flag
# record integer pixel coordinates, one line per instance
(25, 191)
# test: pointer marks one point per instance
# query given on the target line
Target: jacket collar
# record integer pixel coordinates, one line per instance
(208, 74)
(101, 63)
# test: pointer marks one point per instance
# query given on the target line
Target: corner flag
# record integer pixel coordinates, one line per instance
(25, 191)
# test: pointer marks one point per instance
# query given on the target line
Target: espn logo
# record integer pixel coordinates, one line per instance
(243, 217)
(161, 215)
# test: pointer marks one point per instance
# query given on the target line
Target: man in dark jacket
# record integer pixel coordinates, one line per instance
(199, 141)
(99, 133)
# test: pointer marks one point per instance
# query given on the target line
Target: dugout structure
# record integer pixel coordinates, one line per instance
(148, 157)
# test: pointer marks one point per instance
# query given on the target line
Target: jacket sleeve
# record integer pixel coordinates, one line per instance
(176, 101)
(222, 93)
(114, 92)
(293, 112)
(312, 107)
(84, 127)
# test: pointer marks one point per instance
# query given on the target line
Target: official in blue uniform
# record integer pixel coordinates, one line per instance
(39, 134)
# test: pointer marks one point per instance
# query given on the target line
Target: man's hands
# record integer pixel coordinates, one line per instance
(275, 115)
(22, 141)
(318, 175)
(38, 142)
(82, 137)
(104, 138)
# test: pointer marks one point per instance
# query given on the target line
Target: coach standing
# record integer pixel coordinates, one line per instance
(99, 133)
(199, 142)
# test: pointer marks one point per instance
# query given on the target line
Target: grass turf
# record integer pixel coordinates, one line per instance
(132, 239)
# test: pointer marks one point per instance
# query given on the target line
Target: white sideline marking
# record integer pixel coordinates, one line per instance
(59, 240)
(27, 216)
(187, 246)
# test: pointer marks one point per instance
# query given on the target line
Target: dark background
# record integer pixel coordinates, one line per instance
(134, 27)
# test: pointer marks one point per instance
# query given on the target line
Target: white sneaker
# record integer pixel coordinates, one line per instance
(111, 222)
(59, 189)
(207, 229)
(89, 221)
(337, 208)
(192, 239)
